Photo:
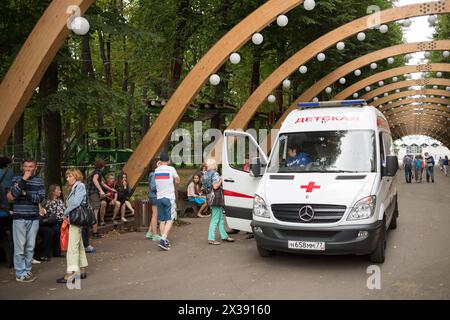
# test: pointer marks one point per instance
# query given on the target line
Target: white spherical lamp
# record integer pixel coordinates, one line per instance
(271, 98)
(321, 56)
(287, 84)
(367, 88)
(407, 23)
(303, 69)
(427, 54)
(80, 25)
(446, 54)
(282, 20)
(439, 74)
(373, 66)
(395, 79)
(235, 58)
(214, 79)
(355, 95)
(435, 87)
(432, 20)
(381, 83)
(390, 60)
(384, 28)
(386, 94)
(397, 91)
(357, 72)
(447, 88)
(257, 38)
(309, 5)
(342, 80)
(328, 90)
(375, 98)
(361, 36)
(340, 45)
(315, 99)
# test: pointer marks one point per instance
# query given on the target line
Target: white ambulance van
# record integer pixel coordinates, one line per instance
(328, 187)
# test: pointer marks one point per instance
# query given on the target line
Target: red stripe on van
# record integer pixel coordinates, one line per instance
(236, 194)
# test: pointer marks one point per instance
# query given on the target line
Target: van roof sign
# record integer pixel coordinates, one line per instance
(337, 103)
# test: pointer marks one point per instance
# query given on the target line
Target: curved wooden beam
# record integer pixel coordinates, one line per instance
(32, 61)
(404, 84)
(407, 93)
(412, 100)
(196, 78)
(445, 67)
(260, 94)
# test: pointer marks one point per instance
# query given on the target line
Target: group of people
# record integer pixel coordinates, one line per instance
(415, 166)
(163, 181)
(36, 221)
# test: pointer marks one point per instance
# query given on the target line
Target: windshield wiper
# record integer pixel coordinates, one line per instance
(341, 171)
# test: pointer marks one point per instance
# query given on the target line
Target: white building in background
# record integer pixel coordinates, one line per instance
(419, 145)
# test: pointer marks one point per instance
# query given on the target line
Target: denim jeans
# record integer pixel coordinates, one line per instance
(24, 235)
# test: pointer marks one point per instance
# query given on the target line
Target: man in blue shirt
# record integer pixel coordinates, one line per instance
(297, 159)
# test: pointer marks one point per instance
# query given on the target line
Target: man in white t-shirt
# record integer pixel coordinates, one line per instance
(166, 179)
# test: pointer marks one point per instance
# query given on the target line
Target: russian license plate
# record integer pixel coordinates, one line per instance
(306, 245)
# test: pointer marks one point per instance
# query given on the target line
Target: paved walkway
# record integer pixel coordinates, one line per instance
(127, 266)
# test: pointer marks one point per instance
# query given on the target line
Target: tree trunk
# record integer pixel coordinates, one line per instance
(129, 111)
(19, 133)
(145, 118)
(256, 70)
(179, 45)
(39, 138)
(53, 130)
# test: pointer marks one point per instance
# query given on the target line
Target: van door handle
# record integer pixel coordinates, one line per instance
(229, 180)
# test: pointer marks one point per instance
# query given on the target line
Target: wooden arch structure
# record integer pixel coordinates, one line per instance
(404, 84)
(247, 111)
(409, 93)
(419, 100)
(445, 67)
(50, 33)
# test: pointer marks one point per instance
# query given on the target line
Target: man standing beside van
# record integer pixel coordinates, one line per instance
(429, 164)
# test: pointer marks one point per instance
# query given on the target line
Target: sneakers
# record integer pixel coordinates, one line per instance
(124, 220)
(102, 223)
(157, 238)
(29, 277)
(90, 249)
(149, 235)
(164, 245)
(34, 261)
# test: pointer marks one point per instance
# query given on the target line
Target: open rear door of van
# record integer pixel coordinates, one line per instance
(241, 157)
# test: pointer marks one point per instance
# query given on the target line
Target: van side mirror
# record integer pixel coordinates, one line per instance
(391, 166)
(255, 169)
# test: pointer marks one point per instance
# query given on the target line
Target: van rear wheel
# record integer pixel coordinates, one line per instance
(379, 254)
(263, 252)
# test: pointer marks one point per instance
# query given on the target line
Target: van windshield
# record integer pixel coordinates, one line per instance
(324, 151)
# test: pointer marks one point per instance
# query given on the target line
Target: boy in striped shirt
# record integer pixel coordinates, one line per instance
(166, 179)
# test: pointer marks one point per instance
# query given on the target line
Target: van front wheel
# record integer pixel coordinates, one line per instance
(379, 254)
(265, 252)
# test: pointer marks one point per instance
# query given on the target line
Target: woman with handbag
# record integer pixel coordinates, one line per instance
(213, 184)
(76, 256)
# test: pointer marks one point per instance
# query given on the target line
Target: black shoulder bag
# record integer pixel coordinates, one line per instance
(83, 215)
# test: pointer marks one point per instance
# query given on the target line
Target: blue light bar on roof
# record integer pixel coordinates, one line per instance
(332, 103)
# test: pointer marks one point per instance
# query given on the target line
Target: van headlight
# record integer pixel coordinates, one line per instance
(260, 207)
(363, 209)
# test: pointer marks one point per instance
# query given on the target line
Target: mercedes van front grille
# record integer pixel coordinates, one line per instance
(323, 213)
